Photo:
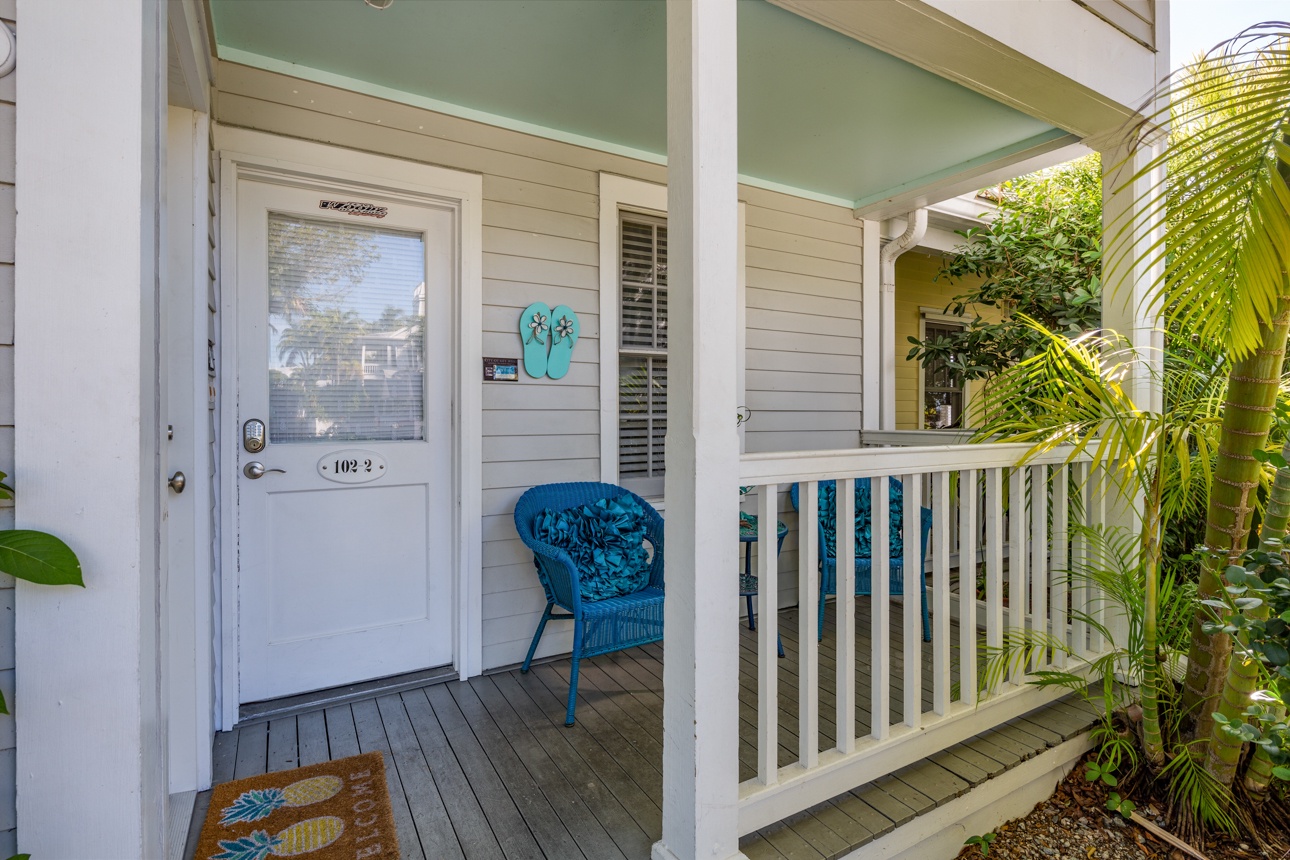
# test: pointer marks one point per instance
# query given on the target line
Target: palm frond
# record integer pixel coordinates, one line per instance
(1192, 785)
(1221, 196)
(1022, 648)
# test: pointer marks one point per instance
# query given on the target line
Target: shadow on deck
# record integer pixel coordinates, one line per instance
(486, 769)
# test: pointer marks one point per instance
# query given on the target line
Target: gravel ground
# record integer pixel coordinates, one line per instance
(1073, 824)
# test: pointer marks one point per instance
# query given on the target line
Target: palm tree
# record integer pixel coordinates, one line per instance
(1225, 254)
(1075, 393)
(1224, 294)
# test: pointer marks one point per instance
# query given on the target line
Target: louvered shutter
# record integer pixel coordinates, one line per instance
(642, 355)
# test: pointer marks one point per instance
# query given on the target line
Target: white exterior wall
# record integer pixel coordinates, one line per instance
(90, 158)
(8, 112)
(541, 210)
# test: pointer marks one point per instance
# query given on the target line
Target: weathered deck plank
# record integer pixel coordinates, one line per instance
(546, 826)
(311, 729)
(486, 768)
(283, 745)
(438, 837)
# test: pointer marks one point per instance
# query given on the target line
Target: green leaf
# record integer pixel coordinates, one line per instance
(20, 857)
(39, 557)
(1277, 654)
(1110, 779)
(1281, 773)
(4, 706)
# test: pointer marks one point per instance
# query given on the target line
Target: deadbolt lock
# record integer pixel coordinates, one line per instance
(253, 436)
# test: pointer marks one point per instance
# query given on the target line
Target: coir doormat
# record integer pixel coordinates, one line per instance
(339, 809)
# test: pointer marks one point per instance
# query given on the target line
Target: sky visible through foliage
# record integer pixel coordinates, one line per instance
(1195, 26)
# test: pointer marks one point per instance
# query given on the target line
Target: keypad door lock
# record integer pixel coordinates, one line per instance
(253, 436)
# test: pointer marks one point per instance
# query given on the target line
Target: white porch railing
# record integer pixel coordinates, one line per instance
(964, 485)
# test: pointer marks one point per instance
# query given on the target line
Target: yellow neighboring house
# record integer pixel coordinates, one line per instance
(921, 300)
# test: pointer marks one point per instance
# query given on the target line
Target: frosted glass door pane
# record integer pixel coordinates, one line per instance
(346, 332)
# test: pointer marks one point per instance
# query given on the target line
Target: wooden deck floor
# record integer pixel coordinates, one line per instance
(486, 769)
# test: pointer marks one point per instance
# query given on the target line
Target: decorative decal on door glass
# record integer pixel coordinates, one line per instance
(352, 466)
(349, 207)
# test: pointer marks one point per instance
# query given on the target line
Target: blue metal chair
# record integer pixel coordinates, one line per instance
(600, 626)
(864, 564)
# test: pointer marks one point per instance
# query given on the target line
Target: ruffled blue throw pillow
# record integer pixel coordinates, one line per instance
(606, 540)
(864, 518)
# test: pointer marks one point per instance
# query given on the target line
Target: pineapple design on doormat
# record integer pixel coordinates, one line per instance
(300, 838)
(259, 803)
(336, 810)
(303, 837)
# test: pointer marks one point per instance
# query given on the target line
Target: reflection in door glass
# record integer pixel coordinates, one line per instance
(346, 332)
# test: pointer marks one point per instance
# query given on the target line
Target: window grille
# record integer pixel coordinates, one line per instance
(943, 397)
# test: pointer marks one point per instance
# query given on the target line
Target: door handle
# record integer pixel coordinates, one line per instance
(254, 470)
(177, 482)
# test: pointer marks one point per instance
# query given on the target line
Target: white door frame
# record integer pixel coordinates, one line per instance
(244, 152)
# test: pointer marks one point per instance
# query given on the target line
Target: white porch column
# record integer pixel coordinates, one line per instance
(701, 665)
(1125, 285)
(91, 748)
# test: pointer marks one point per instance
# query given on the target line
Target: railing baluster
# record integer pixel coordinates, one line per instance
(967, 585)
(1039, 561)
(768, 636)
(1097, 519)
(993, 564)
(941, 592)
(913, 578)
(1035, 504)
(1060, 566)
(1079, 564)
(808, 591)
(846, 607)
(1018, 530)
(880, 608)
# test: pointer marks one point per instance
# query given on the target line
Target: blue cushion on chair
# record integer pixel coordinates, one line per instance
(864, 518)
(606, 540)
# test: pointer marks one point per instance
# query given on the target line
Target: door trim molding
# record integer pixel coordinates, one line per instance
(244, 153)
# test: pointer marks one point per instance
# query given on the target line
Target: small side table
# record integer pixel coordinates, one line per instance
(748, 533)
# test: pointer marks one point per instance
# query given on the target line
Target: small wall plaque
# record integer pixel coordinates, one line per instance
(501, 370)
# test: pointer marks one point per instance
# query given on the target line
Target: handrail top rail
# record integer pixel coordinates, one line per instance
(789, 467)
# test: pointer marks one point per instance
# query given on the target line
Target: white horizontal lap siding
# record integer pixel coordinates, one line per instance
(541, 243)
(1134, 18)
(803, 380)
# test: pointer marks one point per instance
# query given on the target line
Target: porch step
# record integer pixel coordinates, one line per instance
(927, 810)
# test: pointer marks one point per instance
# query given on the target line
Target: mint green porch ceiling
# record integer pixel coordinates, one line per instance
(818, 111)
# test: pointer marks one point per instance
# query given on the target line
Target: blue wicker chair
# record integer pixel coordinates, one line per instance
(864, 564)
(601, 626)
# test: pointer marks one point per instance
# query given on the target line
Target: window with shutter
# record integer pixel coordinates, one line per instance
(642, 353)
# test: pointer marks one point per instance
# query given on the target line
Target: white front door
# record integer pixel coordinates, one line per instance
(345, 355)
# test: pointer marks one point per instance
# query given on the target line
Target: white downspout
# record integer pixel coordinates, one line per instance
(915, 229)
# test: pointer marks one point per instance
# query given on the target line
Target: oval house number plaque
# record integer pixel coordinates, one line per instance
(352, 466)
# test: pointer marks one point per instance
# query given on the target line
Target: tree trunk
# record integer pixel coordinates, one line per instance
(1247, 417)
(1153, 740)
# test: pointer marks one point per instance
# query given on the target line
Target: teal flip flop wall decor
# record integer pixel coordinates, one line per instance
(565, 329)
(548, 337)
(535, 327)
